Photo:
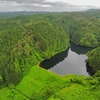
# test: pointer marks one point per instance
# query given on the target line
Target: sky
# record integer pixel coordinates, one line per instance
(48, 5)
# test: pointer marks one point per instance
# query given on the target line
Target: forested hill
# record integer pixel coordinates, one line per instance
(27, 40)
(93, 13)
(19, 13)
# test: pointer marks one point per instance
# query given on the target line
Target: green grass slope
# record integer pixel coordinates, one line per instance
(41, 84)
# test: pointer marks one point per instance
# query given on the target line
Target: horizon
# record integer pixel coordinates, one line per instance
(48, 5)
(47, 11)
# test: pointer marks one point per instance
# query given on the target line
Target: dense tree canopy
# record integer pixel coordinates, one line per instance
(94, 58)
(26, 40)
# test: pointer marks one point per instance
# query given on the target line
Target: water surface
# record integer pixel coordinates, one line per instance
(70, 61)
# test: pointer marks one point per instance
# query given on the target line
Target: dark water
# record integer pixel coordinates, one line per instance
(70, 61)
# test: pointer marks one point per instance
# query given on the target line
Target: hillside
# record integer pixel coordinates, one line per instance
(27, 40)
(40, 84)
(4, 15)
(94, 58)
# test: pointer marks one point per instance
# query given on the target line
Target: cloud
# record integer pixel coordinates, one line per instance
(35, 2)
(35, 5)
(39, 5)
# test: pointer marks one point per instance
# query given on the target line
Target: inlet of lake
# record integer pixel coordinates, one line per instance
(70, 61)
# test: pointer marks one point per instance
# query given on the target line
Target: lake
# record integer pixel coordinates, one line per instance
(70, 61)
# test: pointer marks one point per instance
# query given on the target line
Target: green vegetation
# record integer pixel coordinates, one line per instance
(27, 40)
(41, 84)
(94, 58)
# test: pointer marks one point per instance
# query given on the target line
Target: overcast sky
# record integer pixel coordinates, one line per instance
(48, 5)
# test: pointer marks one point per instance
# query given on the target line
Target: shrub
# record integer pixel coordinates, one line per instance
(94, 82)
(97, 74)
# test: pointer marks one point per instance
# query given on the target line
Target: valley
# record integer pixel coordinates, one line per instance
(26, 40)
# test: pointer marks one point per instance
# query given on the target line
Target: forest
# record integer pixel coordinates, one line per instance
(27, 39)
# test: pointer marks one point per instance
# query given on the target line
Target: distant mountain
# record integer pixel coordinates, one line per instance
(90, 10)
(12, 14)
(94, 13)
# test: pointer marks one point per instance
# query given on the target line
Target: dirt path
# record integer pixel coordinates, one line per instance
(22, 94)
(67, 88)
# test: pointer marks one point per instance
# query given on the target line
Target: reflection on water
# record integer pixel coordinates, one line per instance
(79, 49)
(70, 61)
(90, 70)
(53, 61)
